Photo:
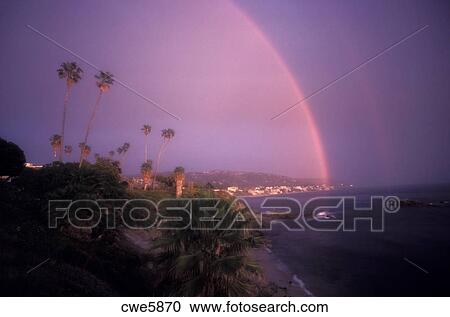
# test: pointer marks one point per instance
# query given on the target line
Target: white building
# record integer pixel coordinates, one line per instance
(232, 189)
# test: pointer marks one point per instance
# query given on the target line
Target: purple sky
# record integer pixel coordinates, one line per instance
(208, 64)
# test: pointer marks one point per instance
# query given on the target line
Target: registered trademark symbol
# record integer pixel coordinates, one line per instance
(391, 204)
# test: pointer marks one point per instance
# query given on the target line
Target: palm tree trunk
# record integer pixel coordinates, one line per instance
(66, 102)
(122, 160)
(157, 164)
(89, 126)
(146, 150)
(178, 187)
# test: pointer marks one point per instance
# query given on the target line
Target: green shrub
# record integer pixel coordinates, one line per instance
(68, 181)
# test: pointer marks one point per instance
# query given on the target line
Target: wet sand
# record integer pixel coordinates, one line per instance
(277, 279)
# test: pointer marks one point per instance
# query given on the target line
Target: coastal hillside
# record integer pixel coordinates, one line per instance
(221, 179)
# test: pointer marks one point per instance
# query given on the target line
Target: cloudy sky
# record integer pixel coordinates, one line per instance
(225, 68)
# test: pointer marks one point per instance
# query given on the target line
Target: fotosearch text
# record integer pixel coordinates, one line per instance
(318, 214)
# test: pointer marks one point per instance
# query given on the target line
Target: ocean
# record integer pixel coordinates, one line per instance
(410, 258)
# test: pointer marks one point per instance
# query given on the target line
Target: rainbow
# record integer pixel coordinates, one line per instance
(312, 125)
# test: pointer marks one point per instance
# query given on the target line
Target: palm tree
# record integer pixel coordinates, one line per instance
(179, 180)
(207, 262)
(71, 73)
(146, 129)
(166, 135)
(122, 151)
(125, 147)
(55, 142)
(111, 153)
(85, 150)
(68, 150)
(104, 81)
(146, 171)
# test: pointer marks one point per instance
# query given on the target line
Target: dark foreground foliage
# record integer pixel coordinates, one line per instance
(205, 262)
(73, 263)
(38, 261)
(12, 159)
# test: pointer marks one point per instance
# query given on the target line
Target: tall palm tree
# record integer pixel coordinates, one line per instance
(104, 81)
(166, 135)
(68, 150)
(146, 129)
(179, 180)
(85, 150)
(55, 142)
(146, 171)
(71, 73)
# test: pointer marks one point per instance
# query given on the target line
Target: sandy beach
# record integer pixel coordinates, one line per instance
(277, 279)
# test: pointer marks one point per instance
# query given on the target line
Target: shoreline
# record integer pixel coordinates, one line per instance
(277, 279)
